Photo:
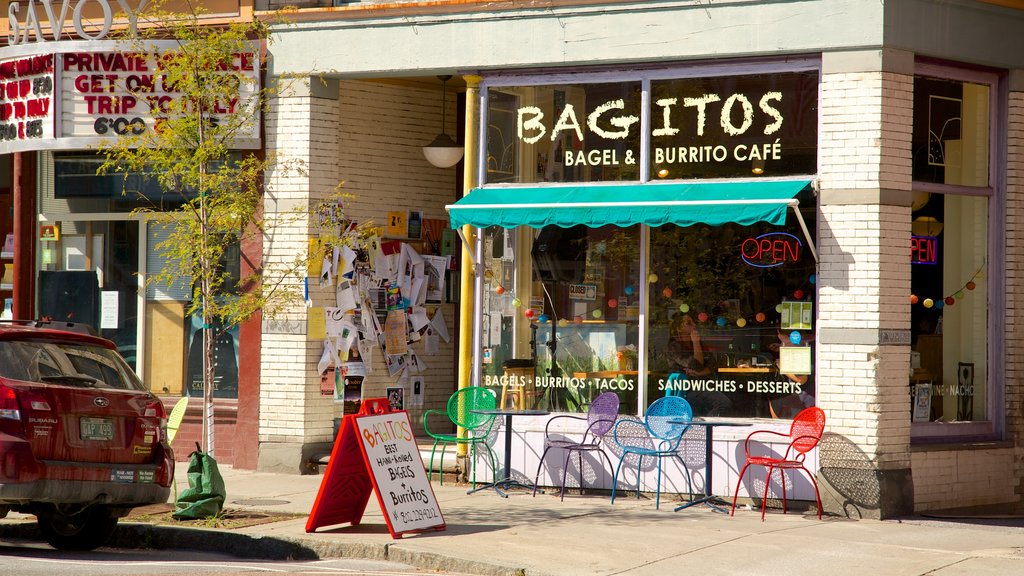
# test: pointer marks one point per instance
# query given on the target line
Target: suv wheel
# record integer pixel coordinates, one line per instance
(87, 530)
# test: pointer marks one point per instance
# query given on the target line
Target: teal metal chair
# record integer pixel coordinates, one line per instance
(460, 413)
(658, 436)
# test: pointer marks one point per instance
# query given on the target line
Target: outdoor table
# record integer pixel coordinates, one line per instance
(507, 482)
(708, 498)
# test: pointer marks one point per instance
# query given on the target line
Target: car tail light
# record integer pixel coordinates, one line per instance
(155, 409)
(9, 404)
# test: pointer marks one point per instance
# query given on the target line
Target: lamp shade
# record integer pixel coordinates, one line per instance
(443, 152)
(926, 226)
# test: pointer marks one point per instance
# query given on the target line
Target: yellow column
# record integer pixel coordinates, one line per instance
(466, 292)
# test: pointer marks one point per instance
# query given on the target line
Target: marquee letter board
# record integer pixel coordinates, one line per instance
(376, 450)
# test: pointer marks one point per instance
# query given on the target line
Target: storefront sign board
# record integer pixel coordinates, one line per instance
(26, 99)
(76, 95)
(376, 450)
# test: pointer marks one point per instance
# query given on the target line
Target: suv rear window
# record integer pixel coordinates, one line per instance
(67, 363)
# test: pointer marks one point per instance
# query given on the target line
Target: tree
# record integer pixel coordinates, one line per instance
(205, 105)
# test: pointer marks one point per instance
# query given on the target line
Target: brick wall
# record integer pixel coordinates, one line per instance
(863, 274)
(383, 126)
(299, 132)
(369, 136)
(951, 478)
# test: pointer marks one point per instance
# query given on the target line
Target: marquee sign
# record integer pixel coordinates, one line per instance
(73, 98)
(26, 99)
(701, 127)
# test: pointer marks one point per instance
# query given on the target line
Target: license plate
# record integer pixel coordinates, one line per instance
(96, 428)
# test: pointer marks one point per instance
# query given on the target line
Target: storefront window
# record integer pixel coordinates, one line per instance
(89, 274)
(88, 271)
(77, 183)
(951, 134)
(950, 272)
(561, 311)
(949, 309)
(564, 133)
(734, 126)
(731, 318)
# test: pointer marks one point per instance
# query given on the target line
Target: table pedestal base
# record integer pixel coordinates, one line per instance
(503, 485)
(713, 502)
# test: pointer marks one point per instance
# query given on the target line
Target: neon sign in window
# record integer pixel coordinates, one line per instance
(924, 250)
(771, 249)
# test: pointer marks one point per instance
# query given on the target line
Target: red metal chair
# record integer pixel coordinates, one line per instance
(804, 434)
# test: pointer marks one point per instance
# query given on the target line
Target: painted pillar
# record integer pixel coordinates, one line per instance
(467, 277)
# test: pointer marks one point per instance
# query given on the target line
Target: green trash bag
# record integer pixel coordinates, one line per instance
(204, 497)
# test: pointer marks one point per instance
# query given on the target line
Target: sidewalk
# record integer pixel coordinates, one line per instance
(585, 535)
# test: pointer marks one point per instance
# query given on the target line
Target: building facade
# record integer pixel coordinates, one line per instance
(890, 124)
(75, 248)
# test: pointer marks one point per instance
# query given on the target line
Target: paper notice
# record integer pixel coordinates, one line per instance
(440, 326)
(395, 333)
(316, 324)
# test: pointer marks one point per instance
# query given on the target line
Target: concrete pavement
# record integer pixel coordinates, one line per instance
(586, 535)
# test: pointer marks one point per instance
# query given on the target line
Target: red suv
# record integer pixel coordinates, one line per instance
(82, 440)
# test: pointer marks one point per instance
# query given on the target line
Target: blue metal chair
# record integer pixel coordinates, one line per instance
(658, 436)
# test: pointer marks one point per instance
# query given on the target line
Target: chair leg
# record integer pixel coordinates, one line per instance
(782, 474)
(764, 498)
(472, 460)
(430, 473)
(494, 462)
(657, 487)
(565, 471)
(736, 494)
(607, 459)
(615, 477)
(539, 464)
(579, 454)
(639, 465)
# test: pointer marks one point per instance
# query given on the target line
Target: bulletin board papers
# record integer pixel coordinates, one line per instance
(395, 333)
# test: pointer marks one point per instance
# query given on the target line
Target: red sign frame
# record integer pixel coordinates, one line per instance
(349, 479)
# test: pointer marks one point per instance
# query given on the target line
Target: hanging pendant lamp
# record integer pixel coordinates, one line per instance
(443, 152)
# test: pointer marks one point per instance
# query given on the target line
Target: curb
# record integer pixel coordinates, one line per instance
(152, 536)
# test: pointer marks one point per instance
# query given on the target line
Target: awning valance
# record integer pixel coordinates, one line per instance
(683, 204)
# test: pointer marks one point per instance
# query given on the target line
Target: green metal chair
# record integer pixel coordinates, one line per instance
(460, 413)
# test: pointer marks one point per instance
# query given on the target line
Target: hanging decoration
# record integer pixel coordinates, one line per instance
(954, 297)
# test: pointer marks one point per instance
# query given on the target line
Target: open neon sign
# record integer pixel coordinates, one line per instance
(924, 250)
(771, 249)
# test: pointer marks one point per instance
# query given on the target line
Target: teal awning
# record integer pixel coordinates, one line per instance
(682, 204)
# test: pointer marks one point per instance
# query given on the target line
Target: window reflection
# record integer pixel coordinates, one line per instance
(731, 318)
(561, 321)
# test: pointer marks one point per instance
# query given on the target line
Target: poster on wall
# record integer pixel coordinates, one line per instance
(225, 359)
(396, 397)
(434, 269)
